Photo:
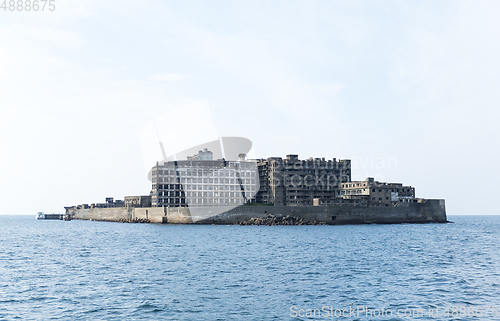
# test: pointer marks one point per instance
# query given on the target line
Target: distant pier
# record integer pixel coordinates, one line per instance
(62, 217)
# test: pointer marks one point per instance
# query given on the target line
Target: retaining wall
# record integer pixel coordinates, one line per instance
(112, 214)
(432, 210)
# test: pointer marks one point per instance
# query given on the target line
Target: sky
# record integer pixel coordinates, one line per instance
(408, 90)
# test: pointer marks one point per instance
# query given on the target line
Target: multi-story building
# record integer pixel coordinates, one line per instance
(110, 202)
(204, 154)
(292, 181)
(201, 181)
(138, 201)
(370, 191)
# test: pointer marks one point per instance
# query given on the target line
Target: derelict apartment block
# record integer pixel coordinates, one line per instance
(292, 181)
(201, 181)
(371, 191)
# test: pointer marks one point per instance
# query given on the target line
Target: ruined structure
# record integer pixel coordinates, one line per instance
(292, 181)
(370, 191)
(206, 191)
(197, 183)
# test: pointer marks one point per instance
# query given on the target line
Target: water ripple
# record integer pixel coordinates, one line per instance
(110, 271)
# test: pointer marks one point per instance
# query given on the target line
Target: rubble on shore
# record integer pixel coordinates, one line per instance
(279, 219)
(135, 220)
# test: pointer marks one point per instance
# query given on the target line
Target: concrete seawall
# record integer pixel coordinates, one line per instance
(431, 211)
(428, 211)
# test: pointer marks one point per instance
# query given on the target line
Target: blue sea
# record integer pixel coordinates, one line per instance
(82, 270)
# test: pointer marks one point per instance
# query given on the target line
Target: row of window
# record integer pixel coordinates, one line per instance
(238, 194)
(380, 198)
(353, 191)
(380, 190)
(399, 190)
(220, 173)
(172, 201)
(210, 187)
(298, 171)
(359, 191)
(301, 165)
(353, 185)
(206, 180)
(374, 189)
(312, 187)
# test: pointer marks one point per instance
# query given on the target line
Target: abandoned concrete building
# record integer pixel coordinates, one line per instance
(370, 191)
(292, 181)
(138, 201)
(201, 181)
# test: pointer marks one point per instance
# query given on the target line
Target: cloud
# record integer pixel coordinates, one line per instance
(332, 88)
(288, 141)
(169, 77)
(422, 75)
(302, 100)
(31, 34)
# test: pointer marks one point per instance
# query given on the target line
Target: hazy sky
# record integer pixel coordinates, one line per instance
(408, 90)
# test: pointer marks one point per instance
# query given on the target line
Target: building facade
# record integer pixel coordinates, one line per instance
(201, 181)
(204, 154)
(370, 191)
(292, 181)
(138, 201)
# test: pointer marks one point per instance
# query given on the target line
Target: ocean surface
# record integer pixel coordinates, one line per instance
(82, 270)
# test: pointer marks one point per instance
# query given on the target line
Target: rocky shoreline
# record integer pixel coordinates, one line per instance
(136, 220)
(270, 220)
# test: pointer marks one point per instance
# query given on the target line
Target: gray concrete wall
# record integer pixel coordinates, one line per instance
(82, 214)
(425, 212)
(112, 214)
(430, 211)
(179, 215)
(153, 214)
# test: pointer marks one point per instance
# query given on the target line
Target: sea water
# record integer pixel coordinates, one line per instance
(83, 270)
